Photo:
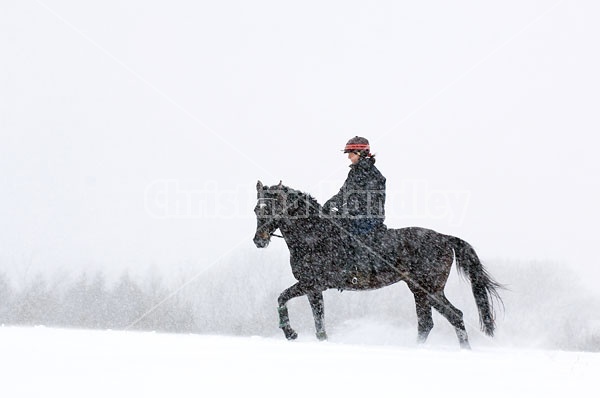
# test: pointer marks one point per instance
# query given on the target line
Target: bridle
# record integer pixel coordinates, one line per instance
(261, 205)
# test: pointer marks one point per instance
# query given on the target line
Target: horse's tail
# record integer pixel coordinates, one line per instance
(485, 288)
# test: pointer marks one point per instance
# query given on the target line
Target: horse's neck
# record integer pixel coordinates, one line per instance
(298, 228)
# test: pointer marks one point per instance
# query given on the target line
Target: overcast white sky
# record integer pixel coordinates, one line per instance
(483, 115)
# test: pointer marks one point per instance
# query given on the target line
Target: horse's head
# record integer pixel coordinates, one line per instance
(280, 206)
(268, 210)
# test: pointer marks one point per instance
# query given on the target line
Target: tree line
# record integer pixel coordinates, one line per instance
(91, 302)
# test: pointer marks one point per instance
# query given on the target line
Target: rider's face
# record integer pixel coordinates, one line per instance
(354, 157)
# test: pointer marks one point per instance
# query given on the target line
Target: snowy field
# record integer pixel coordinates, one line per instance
(44, 362)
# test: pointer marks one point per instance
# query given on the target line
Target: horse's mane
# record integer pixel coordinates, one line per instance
(314, 204)
(301, 198)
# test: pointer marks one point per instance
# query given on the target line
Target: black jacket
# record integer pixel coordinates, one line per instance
(361, 200)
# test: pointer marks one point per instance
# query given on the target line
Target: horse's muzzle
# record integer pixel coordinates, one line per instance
(262, 240)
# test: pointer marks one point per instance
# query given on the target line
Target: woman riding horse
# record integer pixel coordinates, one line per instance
(321, 247)
(359, 206)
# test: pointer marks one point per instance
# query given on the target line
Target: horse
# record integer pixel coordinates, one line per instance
(319, 250)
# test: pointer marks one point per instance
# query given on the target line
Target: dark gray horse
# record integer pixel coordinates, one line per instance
(319, 247)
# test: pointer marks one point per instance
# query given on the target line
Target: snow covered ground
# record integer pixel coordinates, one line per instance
(44, 362)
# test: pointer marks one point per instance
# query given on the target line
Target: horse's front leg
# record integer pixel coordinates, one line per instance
(293, 291)
(318, 309)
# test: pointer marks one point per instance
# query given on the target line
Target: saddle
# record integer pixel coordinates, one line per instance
(368, 255)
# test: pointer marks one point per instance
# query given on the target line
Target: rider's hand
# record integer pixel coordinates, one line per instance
(328, 208)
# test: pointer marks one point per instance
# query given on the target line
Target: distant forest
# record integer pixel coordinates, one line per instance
(89, 302)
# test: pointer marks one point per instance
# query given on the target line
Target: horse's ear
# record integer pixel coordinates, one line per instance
(281, 191)
(259, 185)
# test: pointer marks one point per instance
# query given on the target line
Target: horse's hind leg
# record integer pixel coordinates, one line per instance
(295, 290)
(424, 319)
(318, 309)
(453, 315)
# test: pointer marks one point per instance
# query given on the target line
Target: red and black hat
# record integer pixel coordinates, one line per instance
(357, 144)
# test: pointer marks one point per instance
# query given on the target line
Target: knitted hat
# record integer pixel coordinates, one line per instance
(358, 144)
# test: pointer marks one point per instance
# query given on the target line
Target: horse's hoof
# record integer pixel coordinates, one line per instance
(465, 345)
(290, 333)
(322, 336)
